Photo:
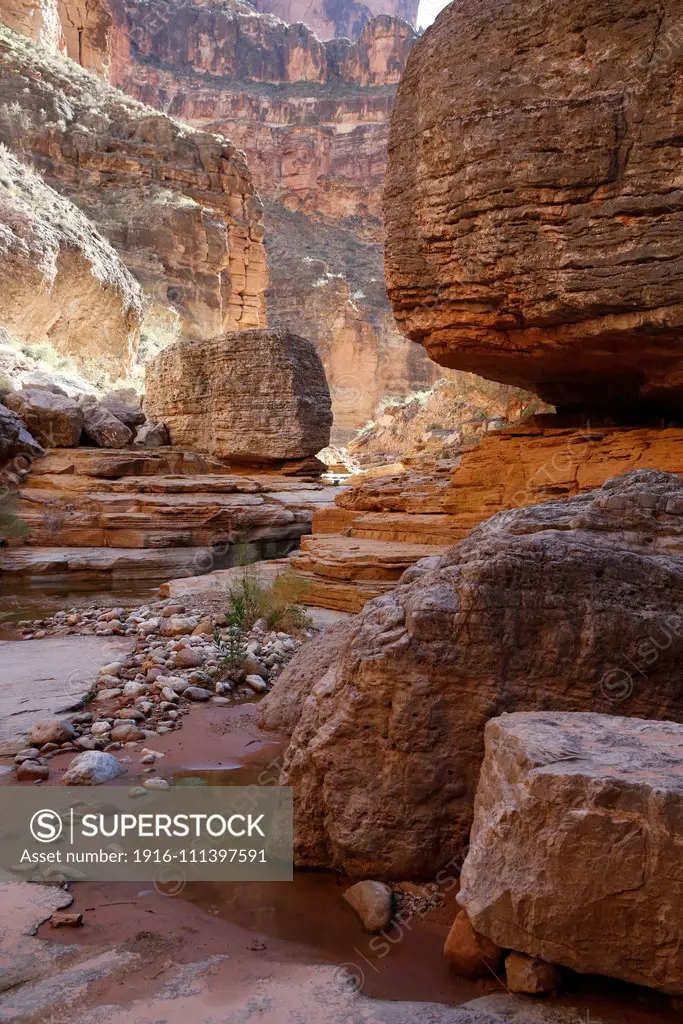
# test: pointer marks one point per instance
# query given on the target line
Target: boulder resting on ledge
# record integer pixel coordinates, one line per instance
(533, 204)
(251, 396)
(573, 605)
(576, 849)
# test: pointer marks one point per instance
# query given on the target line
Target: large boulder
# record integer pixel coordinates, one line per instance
(60, 280)
(54, 420)
(126, 405)
(102, 426)
(532, 200)
(14, 438)
(254, 396)
(575, 853)
(565, 606)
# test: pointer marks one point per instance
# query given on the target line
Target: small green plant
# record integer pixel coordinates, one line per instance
(232, 648)
(279, 604)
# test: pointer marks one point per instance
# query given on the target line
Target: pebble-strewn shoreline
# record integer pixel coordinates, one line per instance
(175, 662)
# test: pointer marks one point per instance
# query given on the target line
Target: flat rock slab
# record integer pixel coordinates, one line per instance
(576, 849)
(42, 678)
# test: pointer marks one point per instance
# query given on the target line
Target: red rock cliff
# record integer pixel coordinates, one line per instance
(179, 205)
(312, 119)
(533, 198)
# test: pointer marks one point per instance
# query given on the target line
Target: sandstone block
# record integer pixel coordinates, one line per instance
(56, 421)
(51, 730)
(151, 435)
(251, 395)
(539, 608)
(530, 976)
(102, 426)
(126, 405)
(508, 256)
(575, 853)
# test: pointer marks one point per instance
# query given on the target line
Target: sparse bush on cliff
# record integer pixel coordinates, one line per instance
(11, 527)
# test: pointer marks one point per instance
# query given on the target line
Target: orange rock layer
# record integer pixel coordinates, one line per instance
(394, 520)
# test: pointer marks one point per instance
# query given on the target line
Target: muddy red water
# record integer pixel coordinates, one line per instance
(304, 921)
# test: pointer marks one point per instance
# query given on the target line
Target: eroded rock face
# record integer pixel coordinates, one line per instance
(60, 280)
(533, 224)
(252, 396)
(556, 794)
(164, 183)
(547, 607)
(329, 19)
(313, 120)
(37, 19)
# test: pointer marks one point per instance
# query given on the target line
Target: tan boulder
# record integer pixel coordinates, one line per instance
(372, 901)
(253, 396)
(470, 955)
(102, 426)
(531, 223)
(54, 420)
(559, 606)
(575, 853)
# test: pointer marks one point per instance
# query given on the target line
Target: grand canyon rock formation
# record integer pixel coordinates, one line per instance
(112, 517)
(565, 606)
(145, 182)
(251, 396)
(312, 119)
(575, 850)
(532, 202)
(59, 279)
(332, 18)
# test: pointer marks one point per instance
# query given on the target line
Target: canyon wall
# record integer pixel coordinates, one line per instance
(178, 205)
(533, 199)
(312, 118)
(334, 18)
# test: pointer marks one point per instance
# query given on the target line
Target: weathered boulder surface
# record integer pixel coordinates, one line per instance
(126, 405)
(533, 223)
(102, 426)
(575, 852)
(60, 280)
(254, 396)
(14, 438)
(55, 420)
(146, 182)
(564, 606)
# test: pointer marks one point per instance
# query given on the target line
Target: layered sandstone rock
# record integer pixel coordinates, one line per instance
(380, 520)
(548, 607)
(108, 517)
(533, 223)
(146, 182)
(251, 396)
(557, 793)
(348, 18)
(60, 281)
(312, 119)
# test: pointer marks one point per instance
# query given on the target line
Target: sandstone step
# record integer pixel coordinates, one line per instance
(115, 462)
(402, 528)
(348, 558)
(102, 564)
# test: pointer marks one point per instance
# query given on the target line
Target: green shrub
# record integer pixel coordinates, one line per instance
(232, 649)
(10, 524)
(278, 604)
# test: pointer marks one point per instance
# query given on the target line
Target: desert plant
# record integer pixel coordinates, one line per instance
(231, 648)
(279, 604)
